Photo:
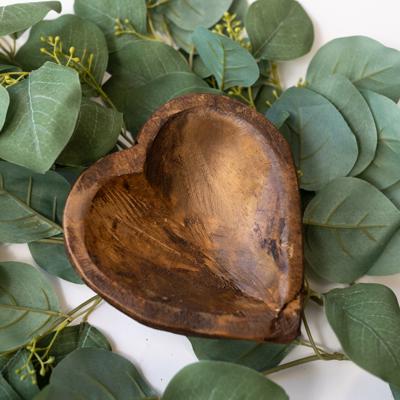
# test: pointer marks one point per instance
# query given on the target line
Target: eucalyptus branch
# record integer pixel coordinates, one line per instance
(8, 79)
(83, 65)
(40, 355)
(237, 92)
(125, 27)
(232, 27)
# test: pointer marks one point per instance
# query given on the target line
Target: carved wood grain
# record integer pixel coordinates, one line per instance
(197, 228)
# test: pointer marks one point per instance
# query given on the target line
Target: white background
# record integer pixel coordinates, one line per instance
(160, 355)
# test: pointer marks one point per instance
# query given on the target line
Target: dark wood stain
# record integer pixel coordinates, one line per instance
(197, 228)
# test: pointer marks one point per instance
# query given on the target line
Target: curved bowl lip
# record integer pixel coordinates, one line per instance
(164, 316)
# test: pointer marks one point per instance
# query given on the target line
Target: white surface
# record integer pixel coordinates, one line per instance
(160, 354)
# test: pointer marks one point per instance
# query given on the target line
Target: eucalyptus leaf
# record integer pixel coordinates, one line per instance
(323, 146)
(53, 259)
(352, 105)
(182, 37)
(395, 391)
(231, 64)
(31, 204)
(239, 8)
(139, 62)
(384, 170)
(200, 69)
(71, 174)
(28, 304)
(366, 320)
(96, 133)
(367, 63)
(47, 193)
(43, 394)
(388, 262)
(18, 17)
(25, 388)
(73, 31)
(259, 356)
(188, 14)
(393, 193)
(209, 380)
(4, 103)
(72, 338)
(7, 392)
(105, 12)
(7, 67)
(348, 224)
(78, 376)
(139, 104)
(279, 29)
(41, 117)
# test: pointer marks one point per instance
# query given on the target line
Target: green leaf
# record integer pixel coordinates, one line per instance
(96, 133)
(279, 29)
(395, 391)
(188, 14)
(231, 64)
(384, 171)
(71, 174)
(138, 105)
(140, 61)
(43, 394)
(41, 117)
(182, 37)
(28, 304)
(366, 320)
(73, 31)
(259, 356)
(348, 223)
(388, 261)
(25, 388)
(72, 338)
(18, 17)
(7, 67)
(393, 193)
(104, 13)
(354, 109)
(239, 8)
(4, 103)
(367, 63)
(96, 374)
(31, 204)
(209, 380)
(6, 390)
(53, 259)
(200, 69)
(323, 146)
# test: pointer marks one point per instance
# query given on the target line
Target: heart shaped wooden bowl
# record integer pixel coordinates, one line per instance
(197, 228)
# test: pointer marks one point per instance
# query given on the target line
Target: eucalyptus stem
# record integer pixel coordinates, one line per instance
(310, 337)
(305, 360)
(274, 77)
(53, 240)
(157, 3)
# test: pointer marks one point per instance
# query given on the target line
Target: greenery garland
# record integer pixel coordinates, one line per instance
(58, 115)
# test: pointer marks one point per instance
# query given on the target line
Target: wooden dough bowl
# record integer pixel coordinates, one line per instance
(197, 228)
